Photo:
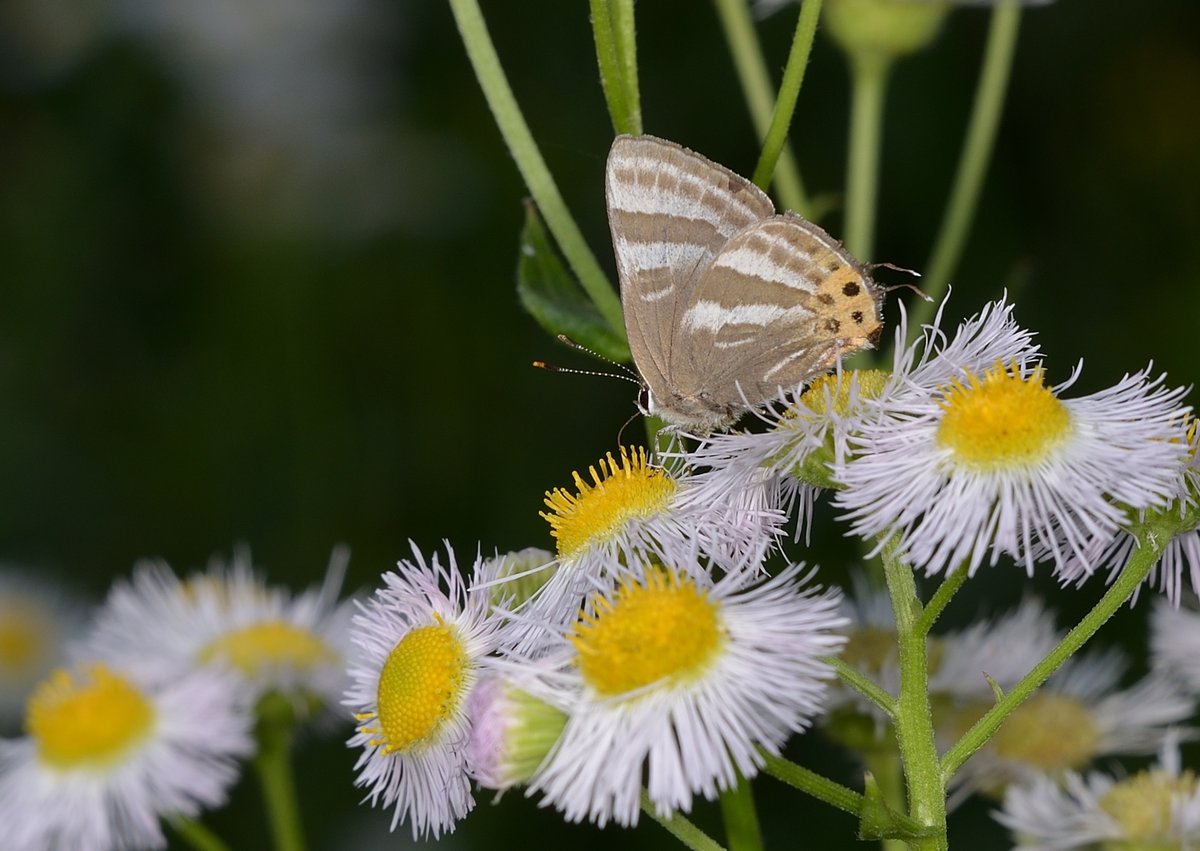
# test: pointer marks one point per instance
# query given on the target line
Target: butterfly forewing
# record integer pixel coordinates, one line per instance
(670, 211)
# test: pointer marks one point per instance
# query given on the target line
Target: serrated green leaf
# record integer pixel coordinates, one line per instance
(552, 297)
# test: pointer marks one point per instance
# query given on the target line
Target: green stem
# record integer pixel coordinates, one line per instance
(1143, 559)
(742, 832)
(682, 829)
(524, 150)
(824, 789)
(195, 834)
(759, 94)
(273, 764)
(862, 684)
(914, 716)
(869, 76)
(789, 90)
(813, 784)
(885, 765)
(973, 162)
(616, 54)
(940, 599)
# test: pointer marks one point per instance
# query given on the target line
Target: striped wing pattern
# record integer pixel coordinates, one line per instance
(670, 211)
(725, 302)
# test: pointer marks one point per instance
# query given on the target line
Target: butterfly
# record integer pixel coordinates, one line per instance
(725, 302)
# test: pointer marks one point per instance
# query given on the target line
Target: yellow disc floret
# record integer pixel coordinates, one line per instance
(1053, 732)
(1143, 806)
(87, 718)
(870, 383)
(660, 628)
(421, 687)
(1002, 419)
(620, 491)
(269, 646)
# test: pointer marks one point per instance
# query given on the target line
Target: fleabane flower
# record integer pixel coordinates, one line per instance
(422, 639)
(1158, 808)
(998, 463)
(229, 617)
(37, 622)
(633, 509)
(107, 754)
(1079, 715)
(675, 679)
(809, 431)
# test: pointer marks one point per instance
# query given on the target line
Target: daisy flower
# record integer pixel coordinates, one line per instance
(37, 621)
(681, 677)
(998, 463)
(810, 433)
(228, 616)
(107, 754)
(633, 508)
(1078, 716)
(422, 640)
(1157, 808)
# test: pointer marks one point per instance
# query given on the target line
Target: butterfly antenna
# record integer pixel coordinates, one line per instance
(567, 341)
(920, 293)
(549, 367)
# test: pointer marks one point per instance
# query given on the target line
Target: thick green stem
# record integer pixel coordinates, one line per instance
(1126, 583)
(616, 54)
(789, 90)
(196, 835)
(524, 150)
(914, 716)
(973, 162)
(682, 829)
(868, 82)
(759, 94)
(273, 764)
(742, 832)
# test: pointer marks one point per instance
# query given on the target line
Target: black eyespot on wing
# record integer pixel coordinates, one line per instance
(832, 325)
(850, 289)
(857, 317)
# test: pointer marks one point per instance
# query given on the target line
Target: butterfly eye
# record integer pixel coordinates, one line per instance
(644, 401)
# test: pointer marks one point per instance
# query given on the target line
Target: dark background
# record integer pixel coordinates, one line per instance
(257, 267)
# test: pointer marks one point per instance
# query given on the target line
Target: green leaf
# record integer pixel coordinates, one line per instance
(553, 297)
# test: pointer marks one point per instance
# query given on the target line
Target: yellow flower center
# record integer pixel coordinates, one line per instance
(421, 686)
(267, 646)
(1142, 805)
(1003, 419)
(87, 718)
(1052, 732)
(870, 383)
(660, 628)
(620, 491)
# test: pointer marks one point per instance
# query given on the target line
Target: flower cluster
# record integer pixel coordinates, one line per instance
(662, 646)
(154, 704)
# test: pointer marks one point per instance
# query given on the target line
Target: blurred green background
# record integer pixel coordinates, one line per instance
(257, 278)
